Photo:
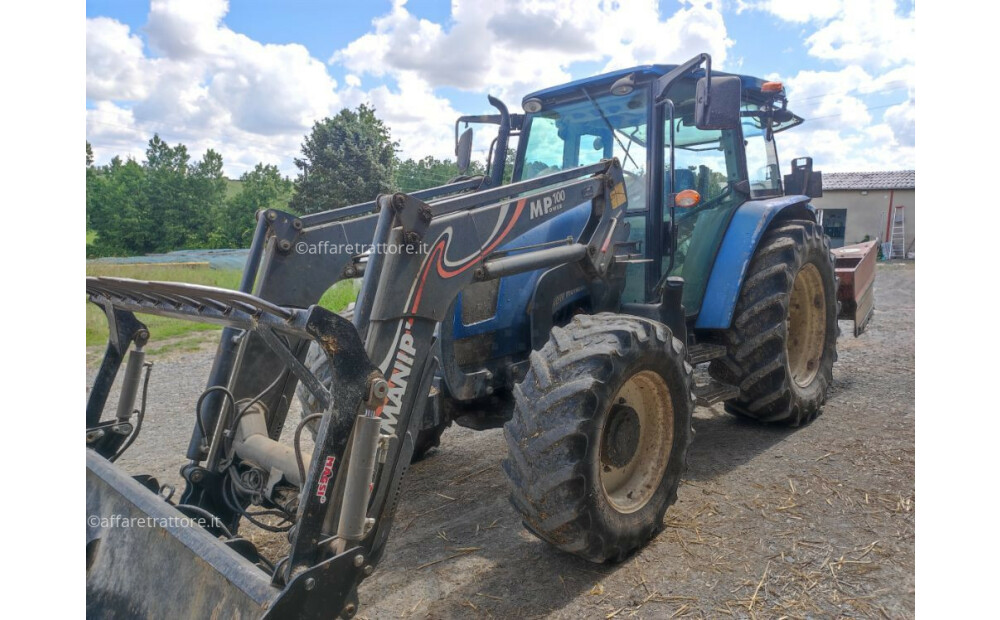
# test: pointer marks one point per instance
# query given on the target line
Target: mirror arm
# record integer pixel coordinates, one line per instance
(664, 82)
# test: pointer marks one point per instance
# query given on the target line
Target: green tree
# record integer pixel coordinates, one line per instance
(261, 188)
(413, 175)
(167, 193)
(92, 181)
(164, 204)
(508, 164)
(345, 160)
(119, 210)
(207, 188)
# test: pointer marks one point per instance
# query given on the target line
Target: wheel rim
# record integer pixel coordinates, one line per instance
(806, 325)
(636, 442)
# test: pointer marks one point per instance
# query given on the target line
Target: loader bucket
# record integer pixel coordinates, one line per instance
(855, 268)
(146, 559)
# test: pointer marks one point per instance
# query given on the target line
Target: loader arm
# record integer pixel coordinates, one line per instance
(415, 290)
(292, 261)
(346, 490)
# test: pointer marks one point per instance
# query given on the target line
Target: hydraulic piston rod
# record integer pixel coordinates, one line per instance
(357, 488)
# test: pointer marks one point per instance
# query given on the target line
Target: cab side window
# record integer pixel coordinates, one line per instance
(762, 157)
(704, 161)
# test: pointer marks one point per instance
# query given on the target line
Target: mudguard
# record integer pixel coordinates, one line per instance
(746, 228)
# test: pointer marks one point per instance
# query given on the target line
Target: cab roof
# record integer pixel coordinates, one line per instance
(643, 75)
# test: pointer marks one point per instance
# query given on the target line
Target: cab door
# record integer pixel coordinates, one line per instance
(707, 161)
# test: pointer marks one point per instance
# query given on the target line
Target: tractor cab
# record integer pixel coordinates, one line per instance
(684, 178)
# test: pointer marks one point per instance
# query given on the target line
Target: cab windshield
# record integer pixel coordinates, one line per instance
(586, 131)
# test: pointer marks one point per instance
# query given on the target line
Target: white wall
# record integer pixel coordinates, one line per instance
(866, 212)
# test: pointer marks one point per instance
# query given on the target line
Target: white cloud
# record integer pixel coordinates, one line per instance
(118, 132)
(209, 74)
(115, 61)
(902, 120)
(186, 29)
(510, 48)
(841, 132)
(204, 84)
(421, 121)
(868, 32)
(195, 80)
(899, 79)
(827, 99)
(795, 10)
(872, 148)
(697, 27)
(207, 86)
(873, 33)
(872, 43)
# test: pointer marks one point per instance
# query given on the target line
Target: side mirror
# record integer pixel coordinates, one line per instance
(717, 107)
(463, 151)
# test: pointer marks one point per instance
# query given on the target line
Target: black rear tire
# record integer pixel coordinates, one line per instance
(575, 486)
(783, 340)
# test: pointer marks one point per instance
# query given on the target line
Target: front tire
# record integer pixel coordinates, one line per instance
(783, 340)
(599, 436)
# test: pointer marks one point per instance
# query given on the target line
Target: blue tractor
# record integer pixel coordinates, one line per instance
(646, 229)
(707, 209)
(721, 248)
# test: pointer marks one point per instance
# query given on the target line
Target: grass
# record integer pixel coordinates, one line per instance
(233, 187)
(160, 328)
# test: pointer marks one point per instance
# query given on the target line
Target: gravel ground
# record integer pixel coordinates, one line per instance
(769, 522)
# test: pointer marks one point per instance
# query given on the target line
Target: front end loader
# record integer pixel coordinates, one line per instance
(341, 497)
(646, 231)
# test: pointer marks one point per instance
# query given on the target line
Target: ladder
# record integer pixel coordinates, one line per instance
(897, 235)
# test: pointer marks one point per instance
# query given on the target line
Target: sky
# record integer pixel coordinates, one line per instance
(249, 78)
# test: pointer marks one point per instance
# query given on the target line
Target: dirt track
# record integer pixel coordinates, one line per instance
(770, 522)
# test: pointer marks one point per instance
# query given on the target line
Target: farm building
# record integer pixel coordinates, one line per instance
(859, 205)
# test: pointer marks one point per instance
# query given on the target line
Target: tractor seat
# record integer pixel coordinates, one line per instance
(685, 180)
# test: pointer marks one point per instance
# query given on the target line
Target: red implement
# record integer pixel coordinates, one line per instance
(855, 267)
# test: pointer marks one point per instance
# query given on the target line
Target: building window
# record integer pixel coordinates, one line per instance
(834, 224)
